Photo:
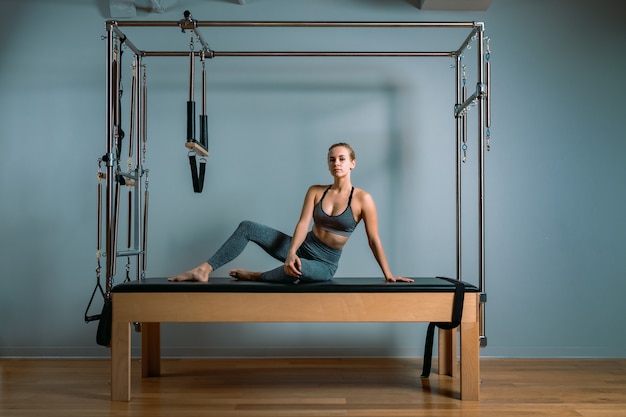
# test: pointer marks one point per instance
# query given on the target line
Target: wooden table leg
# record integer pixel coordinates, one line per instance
(150, 349)
(470, 362)
(447, 353)
(120, 361)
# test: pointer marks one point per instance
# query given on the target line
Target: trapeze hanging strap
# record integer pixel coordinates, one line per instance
(103, 335)
(197, 174)
(98, 287)
(192, 144)
(204, 122)
(191, 104)
(195, 147)
(118, 92)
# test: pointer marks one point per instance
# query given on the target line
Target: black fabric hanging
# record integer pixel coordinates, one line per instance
(103, 335)
(197, 175)
(457, 313)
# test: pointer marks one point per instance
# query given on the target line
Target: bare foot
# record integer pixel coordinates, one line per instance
(198, 274)
(245, 275)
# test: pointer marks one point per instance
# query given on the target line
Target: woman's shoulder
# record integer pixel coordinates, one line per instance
(361, 195)
(315, 191)
(316, 188)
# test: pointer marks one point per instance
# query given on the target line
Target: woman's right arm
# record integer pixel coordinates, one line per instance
(292, 262)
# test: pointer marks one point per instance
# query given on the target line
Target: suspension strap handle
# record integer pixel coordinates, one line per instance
(191, 104)
(204, 124)
(98, 287)
(197, 176)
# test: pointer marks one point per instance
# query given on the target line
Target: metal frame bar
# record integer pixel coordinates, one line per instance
(299, 24)
(480, 90)
(459, 139)
(460, 113)
(297, 54)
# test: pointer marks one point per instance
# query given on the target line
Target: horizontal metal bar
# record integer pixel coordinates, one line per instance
(126, 41)
(300, 54)
(467, 41)
(132, 252)
(170, 54)
(336, 54)
(235, 23)
(460, 107)
(205, 45)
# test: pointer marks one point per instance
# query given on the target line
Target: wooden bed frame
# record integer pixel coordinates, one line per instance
(154, 300)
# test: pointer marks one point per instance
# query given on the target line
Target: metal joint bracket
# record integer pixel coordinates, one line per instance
(109, 158)
(483, 341)
(188, 22)
(481, 90)
(482, 298)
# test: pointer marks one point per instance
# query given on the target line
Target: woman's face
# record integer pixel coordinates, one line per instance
(339, 161)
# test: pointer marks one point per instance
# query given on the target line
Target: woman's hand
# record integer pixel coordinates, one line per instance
(398, 279)
(293, 266)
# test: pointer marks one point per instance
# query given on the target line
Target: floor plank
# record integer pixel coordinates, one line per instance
(314, 387)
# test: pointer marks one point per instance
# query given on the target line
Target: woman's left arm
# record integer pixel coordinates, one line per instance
(370, 219)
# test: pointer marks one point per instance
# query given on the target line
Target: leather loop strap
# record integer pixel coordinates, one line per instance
(197, 177)
(457, 314)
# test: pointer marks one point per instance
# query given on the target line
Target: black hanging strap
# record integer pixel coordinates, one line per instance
(103, 334)
(197, 176)
(457, 313)
(94, 317)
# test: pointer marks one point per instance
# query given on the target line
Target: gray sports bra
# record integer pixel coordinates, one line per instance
(342, 224)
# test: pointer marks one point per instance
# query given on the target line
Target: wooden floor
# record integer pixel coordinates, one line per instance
(313, 387)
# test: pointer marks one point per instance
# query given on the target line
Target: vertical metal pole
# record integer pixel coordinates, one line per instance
(481, 183)
(459, 136)
(138, 164)
(144, 138)
(488, 91)
(144, 248)
(203, 83)
(109, 160)
(191, 75)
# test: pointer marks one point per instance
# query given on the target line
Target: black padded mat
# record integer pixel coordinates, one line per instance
(424, 284)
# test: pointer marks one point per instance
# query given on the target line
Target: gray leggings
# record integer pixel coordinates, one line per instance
(319, 261)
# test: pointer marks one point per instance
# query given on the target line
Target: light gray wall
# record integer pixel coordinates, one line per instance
(555, 188)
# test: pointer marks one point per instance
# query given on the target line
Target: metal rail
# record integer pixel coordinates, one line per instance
(462, 105)
(292, 24)
(213, 54)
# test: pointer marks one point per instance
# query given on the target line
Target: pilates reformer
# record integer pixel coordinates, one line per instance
(427, 301)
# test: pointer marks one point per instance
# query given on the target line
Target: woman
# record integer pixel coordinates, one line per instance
(310, 255)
